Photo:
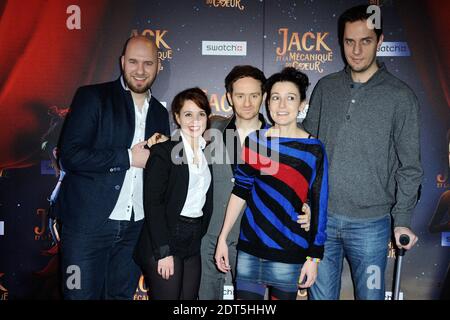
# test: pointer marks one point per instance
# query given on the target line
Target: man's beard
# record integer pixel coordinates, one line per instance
(364, 68)
(130, 86)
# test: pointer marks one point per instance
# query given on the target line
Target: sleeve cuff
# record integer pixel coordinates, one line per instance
(315, 252)
(402, 220)
(130, 157)
(241, 192)
(162, 252)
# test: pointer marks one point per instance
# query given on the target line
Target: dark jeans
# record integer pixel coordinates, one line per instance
(100, 265)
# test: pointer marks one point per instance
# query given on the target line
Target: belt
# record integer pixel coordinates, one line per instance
(190, 220)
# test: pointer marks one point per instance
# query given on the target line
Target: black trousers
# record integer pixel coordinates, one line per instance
(185, 282)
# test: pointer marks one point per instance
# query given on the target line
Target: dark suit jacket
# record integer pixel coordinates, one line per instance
(165, 190)
(93, 147)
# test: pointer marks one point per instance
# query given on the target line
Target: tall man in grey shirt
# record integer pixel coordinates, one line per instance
(369, 122)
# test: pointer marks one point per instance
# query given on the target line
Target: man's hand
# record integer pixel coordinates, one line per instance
(166, 267)
(398, 231)
(305, 219)
(139, 155)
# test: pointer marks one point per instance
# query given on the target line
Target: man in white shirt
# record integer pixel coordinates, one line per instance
(103, 150)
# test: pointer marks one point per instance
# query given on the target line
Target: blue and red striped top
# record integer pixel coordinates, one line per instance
(277, 175)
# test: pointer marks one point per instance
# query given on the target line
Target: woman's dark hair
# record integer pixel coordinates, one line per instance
(358, 13)
(197, 96)
(288, 74)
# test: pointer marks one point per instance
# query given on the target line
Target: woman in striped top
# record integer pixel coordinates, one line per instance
(283, 167)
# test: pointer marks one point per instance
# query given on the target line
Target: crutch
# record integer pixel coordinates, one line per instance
(404, 240)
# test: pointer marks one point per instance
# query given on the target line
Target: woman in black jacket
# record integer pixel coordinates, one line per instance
(177, 203)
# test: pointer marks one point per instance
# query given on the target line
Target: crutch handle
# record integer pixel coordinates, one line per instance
(404, 241)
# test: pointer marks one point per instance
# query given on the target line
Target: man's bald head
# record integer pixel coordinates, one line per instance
(139, 39)
(140, 63)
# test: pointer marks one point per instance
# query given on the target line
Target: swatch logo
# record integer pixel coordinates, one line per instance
(224, 48)
(394, 49)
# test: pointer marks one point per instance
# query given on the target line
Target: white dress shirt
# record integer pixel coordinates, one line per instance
(199, 179)
(131, 194)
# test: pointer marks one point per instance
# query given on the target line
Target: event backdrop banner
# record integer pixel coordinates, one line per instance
(51, 47)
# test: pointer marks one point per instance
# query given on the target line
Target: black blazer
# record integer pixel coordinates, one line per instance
(165, 190)
(93, 146)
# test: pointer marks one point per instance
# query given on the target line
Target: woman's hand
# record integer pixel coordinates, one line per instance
(221, 256)
(305, 219)
(166, 267)
(156, 138)
(309, 270)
